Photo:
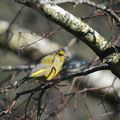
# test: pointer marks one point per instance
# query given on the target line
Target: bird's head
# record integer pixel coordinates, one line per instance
(60, 52)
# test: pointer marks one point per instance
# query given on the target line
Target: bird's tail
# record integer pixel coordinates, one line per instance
(28, 79)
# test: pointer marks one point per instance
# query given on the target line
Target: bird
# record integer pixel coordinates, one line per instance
(48, 68)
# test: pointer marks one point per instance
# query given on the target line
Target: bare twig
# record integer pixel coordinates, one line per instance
(13, 21)
(45, 35)
(86, 90)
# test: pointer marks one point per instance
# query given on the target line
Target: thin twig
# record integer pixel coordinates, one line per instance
(28, 104)
(86, 90)
(13, 21)
(45, 35)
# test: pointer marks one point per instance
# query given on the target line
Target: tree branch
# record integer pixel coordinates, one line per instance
(69, 76)
(16, 68)
(104, 49)
(87, 2)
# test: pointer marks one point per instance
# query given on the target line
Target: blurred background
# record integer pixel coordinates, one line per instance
(86, 106)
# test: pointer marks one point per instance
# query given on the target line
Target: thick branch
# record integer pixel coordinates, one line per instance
(104, 49)
(87, 2)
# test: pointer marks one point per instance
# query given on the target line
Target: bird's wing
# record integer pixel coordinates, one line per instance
(43, 68)
(39, 70)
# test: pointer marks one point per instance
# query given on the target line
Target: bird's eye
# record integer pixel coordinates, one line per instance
(60, 54)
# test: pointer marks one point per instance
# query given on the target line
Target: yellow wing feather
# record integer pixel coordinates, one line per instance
(37, 73)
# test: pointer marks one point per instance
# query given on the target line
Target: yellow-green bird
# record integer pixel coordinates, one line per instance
(48, 67)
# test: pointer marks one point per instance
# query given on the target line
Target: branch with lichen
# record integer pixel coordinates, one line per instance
(106, 51)
(102, 7)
